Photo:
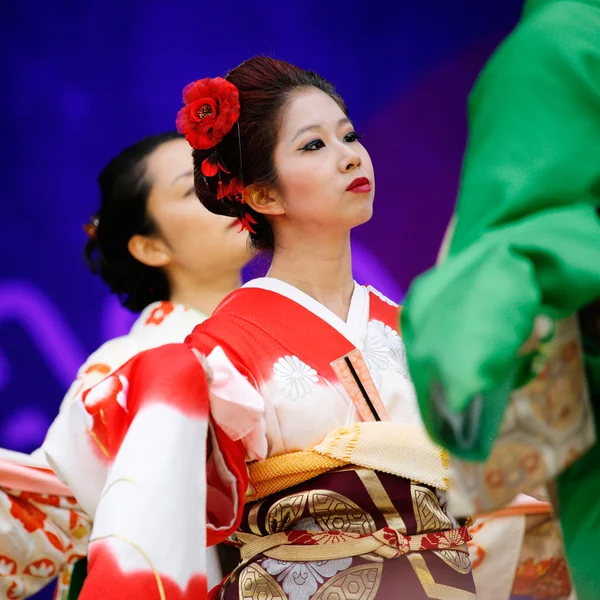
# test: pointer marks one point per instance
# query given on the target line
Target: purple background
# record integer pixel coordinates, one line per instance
(83, 79)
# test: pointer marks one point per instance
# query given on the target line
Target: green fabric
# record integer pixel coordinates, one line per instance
(579, 510)
(77, 578)
(526, 243)
(527, 236)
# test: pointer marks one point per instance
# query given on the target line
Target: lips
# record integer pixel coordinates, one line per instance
(359, 185)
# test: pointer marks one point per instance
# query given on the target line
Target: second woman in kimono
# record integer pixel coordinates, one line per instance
(287, 420)
(167, 258)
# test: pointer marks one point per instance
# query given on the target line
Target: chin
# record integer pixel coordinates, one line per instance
(364, 215)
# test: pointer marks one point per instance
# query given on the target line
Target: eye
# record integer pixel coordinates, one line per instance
(314, 145)
(190, 192)
(352, 137)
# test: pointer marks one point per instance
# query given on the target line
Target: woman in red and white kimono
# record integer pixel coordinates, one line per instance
(287, 420)
(170, 260)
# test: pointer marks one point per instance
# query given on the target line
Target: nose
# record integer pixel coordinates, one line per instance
(350, 160)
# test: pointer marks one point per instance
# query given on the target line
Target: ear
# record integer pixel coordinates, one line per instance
(263, 200)
(151, 251)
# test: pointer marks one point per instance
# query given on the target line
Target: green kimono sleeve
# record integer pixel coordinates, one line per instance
(527, 236)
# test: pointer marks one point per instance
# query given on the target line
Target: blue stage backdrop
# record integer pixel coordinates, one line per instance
(83, 79)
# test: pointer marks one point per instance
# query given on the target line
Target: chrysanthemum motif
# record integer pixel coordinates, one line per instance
(382, 297)
(451, 538)
(295, 379)
(383, 336)
(301, 580)
(376, 355)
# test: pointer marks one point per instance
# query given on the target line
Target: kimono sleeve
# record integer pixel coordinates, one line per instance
(43, 531)
(134, 451)
(527, 227)
(533, 122)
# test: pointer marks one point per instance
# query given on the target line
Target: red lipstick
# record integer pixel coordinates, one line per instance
(361, 185)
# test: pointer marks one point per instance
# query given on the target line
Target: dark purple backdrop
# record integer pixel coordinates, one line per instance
(83, 79)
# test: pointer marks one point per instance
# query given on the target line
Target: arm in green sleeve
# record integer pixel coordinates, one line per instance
(465, 321)
(534, 122)
(527, 237)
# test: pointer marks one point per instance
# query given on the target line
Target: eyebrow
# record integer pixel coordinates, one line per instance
(302, 130)
(181, 176)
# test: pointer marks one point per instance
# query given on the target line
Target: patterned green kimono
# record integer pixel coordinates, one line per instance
(526, 242)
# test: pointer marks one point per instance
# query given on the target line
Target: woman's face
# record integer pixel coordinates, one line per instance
(201, 244)
(325, 175)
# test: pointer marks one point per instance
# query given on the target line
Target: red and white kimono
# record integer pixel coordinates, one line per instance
(159, 453)
(42, 529)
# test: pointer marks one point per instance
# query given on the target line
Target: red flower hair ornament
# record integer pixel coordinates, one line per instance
(211, 108)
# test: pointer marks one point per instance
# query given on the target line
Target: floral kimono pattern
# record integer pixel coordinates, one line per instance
(165, 456)
(44, 531)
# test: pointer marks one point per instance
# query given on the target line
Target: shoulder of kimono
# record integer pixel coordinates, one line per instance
(109, 356)
(225, 330)
(239, 339)
(170, 374)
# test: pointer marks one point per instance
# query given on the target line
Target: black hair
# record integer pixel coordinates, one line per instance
(124, 190)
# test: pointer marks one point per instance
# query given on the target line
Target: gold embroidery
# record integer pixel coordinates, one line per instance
(445, 458)
(357, 583)
(278, 473)
(435, 590)
(335, 512)
(253, 519)
(456, 559)
(428, 512)
(285, 512)
(100, 445)
(121, 479)
(372, 558)
(402, 450)
(256, 584)
(332, 545)
(159, 583)
(381, 499)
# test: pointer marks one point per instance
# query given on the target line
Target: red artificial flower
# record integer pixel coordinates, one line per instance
(211, 108)
(233, 190)
(212, 164)
(245, 222)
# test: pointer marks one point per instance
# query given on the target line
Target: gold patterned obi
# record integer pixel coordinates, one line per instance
(328, 545)
(348, 512)
(323, 524)
(339, 530)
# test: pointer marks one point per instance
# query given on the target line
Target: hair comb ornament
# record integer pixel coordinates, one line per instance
(246, 222)
(91, 227)
(211, 109)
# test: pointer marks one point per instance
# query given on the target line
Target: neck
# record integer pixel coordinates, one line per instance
(204, 295)
(318, 265)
